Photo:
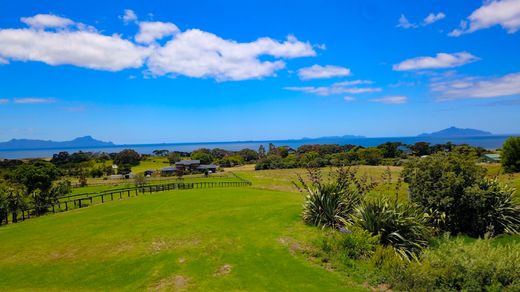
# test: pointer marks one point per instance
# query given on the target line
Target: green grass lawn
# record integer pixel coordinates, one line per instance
(210, 239)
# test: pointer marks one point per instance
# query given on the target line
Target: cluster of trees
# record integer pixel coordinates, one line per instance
(218, 156)
(31, 186)
(389, 153)
(82, 164)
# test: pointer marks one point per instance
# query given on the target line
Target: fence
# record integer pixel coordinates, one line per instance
(83, 200)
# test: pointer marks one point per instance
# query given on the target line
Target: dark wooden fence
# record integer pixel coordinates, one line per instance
(71, 202)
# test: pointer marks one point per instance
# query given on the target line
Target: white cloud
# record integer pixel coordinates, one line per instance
(3, 61)
(317, 72)
(33, 100)
(432, 17)
(473, 87)
(505, 13)
(40, 21)
(393, 99)
(201, 54)
(337, 88)
(349, 98)
(129, 16)
(404, 23)
(192, 53)
(80, 48)
(150, 31)
(4, 101)
(441, 60)
(353, 82)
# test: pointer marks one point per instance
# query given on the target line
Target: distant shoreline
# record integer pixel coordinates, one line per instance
(488, 142)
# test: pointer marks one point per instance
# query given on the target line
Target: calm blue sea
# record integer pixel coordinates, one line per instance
(488, 142)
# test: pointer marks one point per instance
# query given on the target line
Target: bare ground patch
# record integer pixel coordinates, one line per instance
(172, 283)
(223, 270)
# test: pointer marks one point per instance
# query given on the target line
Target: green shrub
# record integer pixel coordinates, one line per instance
(347, 245)
(511, 154)
(456, 265)
(493, 210)
(453, 187)
(401, 226)
(328, 202)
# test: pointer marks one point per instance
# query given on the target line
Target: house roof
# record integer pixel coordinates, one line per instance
(169, 168)
(187, 162)
(492, 156)
(206, 166)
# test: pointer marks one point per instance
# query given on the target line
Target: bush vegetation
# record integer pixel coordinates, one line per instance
(511, 154)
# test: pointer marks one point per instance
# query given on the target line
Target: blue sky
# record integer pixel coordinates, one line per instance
(172, 71)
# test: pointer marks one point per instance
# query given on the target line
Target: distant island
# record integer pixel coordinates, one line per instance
(454, 132)
(26, 144)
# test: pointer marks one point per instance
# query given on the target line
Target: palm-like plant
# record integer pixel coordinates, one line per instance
(329, 201)
(399, 225)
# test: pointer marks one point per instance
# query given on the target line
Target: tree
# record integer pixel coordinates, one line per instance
(390, 149)
(248, 154)
(127, 156)
(161, 152)
(439, 182)
(140, 180)
(511, 154)
(370, 156)
(420, 148)
(174, 157)
(261, 151)
(37, 175)
(203, 154)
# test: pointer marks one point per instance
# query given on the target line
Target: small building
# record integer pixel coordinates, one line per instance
(116, 176)
(187, 165)
(211, 168)
(149, 172)
(170, 170)
(491, 158)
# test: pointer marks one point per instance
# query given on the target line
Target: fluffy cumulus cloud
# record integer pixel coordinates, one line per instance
(432, 17)
(80, 46)
(478, 87)
(392, 99)
(317, 72)
(201, 54)
(505, 13)
(346, 87)
(129, 16)
(194, 53)
(441, 60)
(150, 31)
(40, 21)
(403, 22)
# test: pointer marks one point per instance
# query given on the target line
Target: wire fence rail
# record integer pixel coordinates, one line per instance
(72, 202)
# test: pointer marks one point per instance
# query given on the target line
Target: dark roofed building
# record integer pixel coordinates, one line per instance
(168, 170)
(210, 167)
(187, 164)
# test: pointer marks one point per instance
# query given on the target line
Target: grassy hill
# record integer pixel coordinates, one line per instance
(218, 239)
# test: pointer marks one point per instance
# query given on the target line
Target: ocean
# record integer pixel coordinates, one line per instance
(488, 142)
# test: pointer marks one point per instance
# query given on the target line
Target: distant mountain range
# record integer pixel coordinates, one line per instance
(456, 132)
(20, 144)
(88, 141)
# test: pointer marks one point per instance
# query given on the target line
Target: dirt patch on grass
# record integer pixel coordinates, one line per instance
(293, 245)
(223, 270)
(172, 283)
(161, 244)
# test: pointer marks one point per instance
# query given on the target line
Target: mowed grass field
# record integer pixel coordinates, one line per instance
(205, 240)
(248, 239)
